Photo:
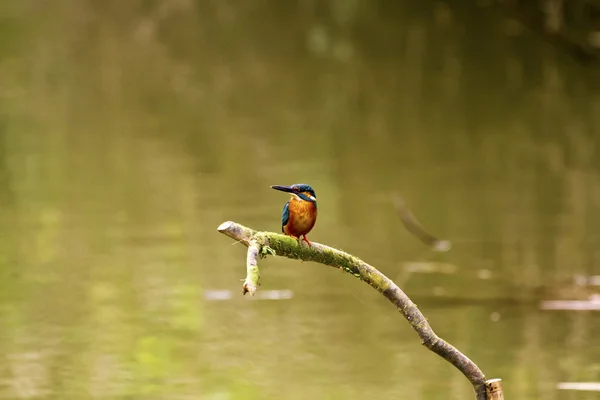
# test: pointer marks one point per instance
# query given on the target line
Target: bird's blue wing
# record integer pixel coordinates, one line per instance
(285, 215)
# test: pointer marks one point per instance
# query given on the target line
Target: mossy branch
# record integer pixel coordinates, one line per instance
(261, 244)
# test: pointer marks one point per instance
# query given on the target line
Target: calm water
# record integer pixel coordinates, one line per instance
(130, 130)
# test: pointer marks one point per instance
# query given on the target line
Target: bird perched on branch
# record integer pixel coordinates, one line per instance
(300, 213)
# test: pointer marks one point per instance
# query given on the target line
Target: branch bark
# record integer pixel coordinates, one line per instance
(261, 244)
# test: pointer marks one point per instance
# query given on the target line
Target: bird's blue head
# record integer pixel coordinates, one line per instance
(300, 190)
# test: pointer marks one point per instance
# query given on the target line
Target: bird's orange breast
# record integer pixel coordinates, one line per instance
(303, 215)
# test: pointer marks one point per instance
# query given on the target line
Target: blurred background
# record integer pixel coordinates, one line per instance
(129, 130)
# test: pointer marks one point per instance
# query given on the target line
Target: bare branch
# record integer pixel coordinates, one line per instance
(263, 243)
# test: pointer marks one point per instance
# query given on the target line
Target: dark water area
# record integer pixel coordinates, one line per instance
(130, 130)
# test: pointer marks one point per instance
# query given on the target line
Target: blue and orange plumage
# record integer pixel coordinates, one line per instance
(300, 212)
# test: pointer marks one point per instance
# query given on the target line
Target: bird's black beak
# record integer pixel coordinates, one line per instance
(287, 189)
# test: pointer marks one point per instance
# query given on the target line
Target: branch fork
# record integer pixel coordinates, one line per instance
(262, 244)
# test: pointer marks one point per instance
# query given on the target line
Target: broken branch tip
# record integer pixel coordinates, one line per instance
(224, 226)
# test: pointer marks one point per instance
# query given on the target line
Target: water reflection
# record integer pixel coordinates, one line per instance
(128, 134)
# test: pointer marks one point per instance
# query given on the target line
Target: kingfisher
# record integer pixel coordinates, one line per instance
(300, 212)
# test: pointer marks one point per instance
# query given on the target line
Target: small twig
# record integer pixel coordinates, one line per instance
(263, 243)
(414, 226)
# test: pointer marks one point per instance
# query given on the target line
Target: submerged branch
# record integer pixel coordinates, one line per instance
(414, 226)
(261, 244)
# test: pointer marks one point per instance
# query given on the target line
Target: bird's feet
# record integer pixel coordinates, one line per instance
(304, 239)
